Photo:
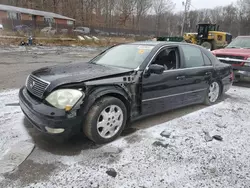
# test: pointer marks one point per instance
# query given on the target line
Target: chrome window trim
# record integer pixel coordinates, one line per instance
(190, 68)
(209, 66)
(166, 96)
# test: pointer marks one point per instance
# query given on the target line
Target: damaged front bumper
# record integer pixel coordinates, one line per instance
(48, 119)
(241, 73)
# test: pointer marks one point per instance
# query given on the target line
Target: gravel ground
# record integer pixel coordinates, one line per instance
(17, 62)
(174, 149)
(177, 153)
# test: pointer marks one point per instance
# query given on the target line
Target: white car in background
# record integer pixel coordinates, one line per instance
(1, 27)
(82, 30)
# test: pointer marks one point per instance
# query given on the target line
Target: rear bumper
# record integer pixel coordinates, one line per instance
(47, 119)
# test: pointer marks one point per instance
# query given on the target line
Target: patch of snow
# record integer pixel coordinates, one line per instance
(87, 37)
(147, 159)
(80, 38)
(95, 38)
(12, 130)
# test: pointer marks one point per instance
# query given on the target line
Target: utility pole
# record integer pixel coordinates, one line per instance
(187, 5)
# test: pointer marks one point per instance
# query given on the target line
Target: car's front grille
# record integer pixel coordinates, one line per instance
(36, 86)
(230, 57)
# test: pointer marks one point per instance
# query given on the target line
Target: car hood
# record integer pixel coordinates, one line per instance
(76, 72)
(233, 51)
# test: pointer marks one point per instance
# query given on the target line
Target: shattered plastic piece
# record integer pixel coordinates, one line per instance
(208, 138)
(166, 134)
(218, 137)
(160, 144)
(111, 172)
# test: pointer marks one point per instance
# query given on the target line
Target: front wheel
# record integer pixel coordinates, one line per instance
(207, 45)
(213, 93)
(105, 120)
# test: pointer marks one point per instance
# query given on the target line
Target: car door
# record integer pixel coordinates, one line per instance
(198, 71)
(161, 92)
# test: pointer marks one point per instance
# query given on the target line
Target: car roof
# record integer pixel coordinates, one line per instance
(243, 36)
(162, 43)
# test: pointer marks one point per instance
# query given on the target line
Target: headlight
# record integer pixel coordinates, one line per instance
(64, 98)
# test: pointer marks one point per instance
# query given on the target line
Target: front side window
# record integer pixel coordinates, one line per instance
(126, 56)
(193, 56)
(167, 58)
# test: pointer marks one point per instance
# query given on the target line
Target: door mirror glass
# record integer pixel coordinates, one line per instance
(156, 69)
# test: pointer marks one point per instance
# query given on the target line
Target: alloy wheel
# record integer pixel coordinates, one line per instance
(214, 92)
(110, 121)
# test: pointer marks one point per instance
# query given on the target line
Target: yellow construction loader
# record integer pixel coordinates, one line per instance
(208, 36)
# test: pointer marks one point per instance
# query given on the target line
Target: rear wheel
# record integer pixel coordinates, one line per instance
(213, 93)
(105, 120)
(207, 45)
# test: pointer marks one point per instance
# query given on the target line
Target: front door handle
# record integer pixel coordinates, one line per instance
(180, 77)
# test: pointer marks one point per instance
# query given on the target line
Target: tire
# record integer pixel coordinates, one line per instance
(112, 113)
(214, 45)
(210, 100)
(207, 45)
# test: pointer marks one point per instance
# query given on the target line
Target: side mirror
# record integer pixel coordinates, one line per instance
(156, 69)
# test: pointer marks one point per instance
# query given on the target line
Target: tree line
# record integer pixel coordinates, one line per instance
(140, 15)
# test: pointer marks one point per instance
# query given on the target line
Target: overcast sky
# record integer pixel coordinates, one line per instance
(198, 4)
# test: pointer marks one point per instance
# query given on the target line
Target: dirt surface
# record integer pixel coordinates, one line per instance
(173, 149)
(17, 62)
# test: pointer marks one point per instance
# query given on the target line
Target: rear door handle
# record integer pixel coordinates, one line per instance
(180, 77)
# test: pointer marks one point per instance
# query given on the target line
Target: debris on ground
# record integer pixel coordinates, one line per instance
(111, 172)
(218, 137)
(221, 125)
(166, 134)
(160, 144)
(208, 138)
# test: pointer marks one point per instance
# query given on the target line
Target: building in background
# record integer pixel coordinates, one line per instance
(11, 17)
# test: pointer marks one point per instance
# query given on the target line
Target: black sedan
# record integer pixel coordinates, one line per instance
(123, 83)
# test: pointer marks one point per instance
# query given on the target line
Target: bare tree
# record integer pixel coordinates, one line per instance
(125, 10)
(142, 7)
(160, 7)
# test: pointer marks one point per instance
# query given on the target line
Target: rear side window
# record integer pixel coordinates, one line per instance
(193, 56)
(207, 60)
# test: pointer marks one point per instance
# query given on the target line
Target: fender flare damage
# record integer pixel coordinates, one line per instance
(101, 91)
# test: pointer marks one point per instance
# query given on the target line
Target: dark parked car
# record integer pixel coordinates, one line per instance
(124, 83)
(22, 29)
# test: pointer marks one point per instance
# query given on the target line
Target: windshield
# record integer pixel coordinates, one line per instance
(240, 42)
(126, 56)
